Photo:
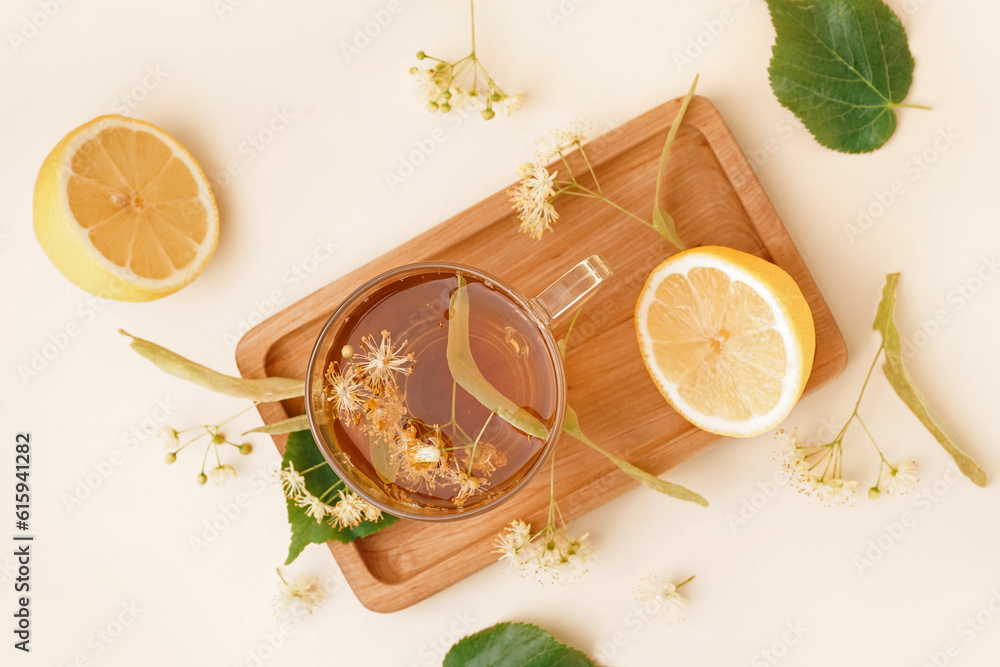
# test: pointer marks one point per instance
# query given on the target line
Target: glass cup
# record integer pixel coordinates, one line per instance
(512, 344)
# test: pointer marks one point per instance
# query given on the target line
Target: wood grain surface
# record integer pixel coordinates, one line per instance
(715, 199)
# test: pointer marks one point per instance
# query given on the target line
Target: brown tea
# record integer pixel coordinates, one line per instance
(400, 418)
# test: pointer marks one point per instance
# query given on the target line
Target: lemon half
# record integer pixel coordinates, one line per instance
(727, 337)
(124, 211)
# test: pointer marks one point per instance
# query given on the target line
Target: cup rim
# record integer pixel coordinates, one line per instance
(544, 329)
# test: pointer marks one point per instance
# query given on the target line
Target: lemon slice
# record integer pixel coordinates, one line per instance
(727, 337)
(124, 211)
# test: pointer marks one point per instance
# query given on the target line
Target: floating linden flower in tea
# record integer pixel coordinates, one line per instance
(380, 362)
(297, 600)
(346, 390)
(663, 594)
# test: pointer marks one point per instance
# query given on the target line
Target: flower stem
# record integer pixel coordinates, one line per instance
(472, 20)
(325, 493)
(684, 582)
(315, 467)
(590, 167)
(475, 445)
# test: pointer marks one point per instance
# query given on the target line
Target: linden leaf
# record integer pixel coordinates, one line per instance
(842, 67)
(290, 425)
(571, 425)
(302, 452)
(259, 390)
(904, 387)
(514, 645)
(468, 376)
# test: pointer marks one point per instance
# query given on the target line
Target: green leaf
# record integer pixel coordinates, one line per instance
(663, 222)
(302, 452)
(571, 425)
(468, 376)
(290, 425)
(904, 387)
(842, 67)
(260, 390)
(514, 645)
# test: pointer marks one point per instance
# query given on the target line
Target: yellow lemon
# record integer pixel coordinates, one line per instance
(124, 211)
(727, 337)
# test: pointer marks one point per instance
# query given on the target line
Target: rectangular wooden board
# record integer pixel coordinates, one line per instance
(715, 199)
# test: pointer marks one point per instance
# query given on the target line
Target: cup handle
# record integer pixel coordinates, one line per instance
(573, 288)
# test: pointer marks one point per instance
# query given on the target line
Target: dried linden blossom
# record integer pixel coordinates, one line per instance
(826, 488)
(297, 600)
(663, 594)
(462, 85)
(364, 391)
(548, 556)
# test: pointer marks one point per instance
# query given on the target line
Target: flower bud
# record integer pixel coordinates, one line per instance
(439, 66)
(170, 457)
(446, 107)
(413, 70)
(874, 493)
(496, 97)
(218, 439)
(347, 351)
(202, 478)
(432, 106)
(246, 448)
(446, 94)
(421, 55)
(488, 114)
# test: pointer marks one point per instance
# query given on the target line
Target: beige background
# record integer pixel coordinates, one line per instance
(213, 74)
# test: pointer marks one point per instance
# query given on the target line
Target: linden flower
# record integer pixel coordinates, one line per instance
(372, 513)
(561, 141)
(664, 593)
(350, 510)
(511, 103)
(467, 485)
(536, 182)
(381, 362)
(298, 599)
(902, 478)
(314, 507)
(487, 459)
(426, 86)
(292, 483)
(222, 474)
(346, 390)
(425, 453)
(170, 438)
(468, 100)
(531, 199)
(830, 491)
(560, 559)
(384, 416)
(512, 545)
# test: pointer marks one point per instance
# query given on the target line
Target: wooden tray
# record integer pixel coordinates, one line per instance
(716, 200)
